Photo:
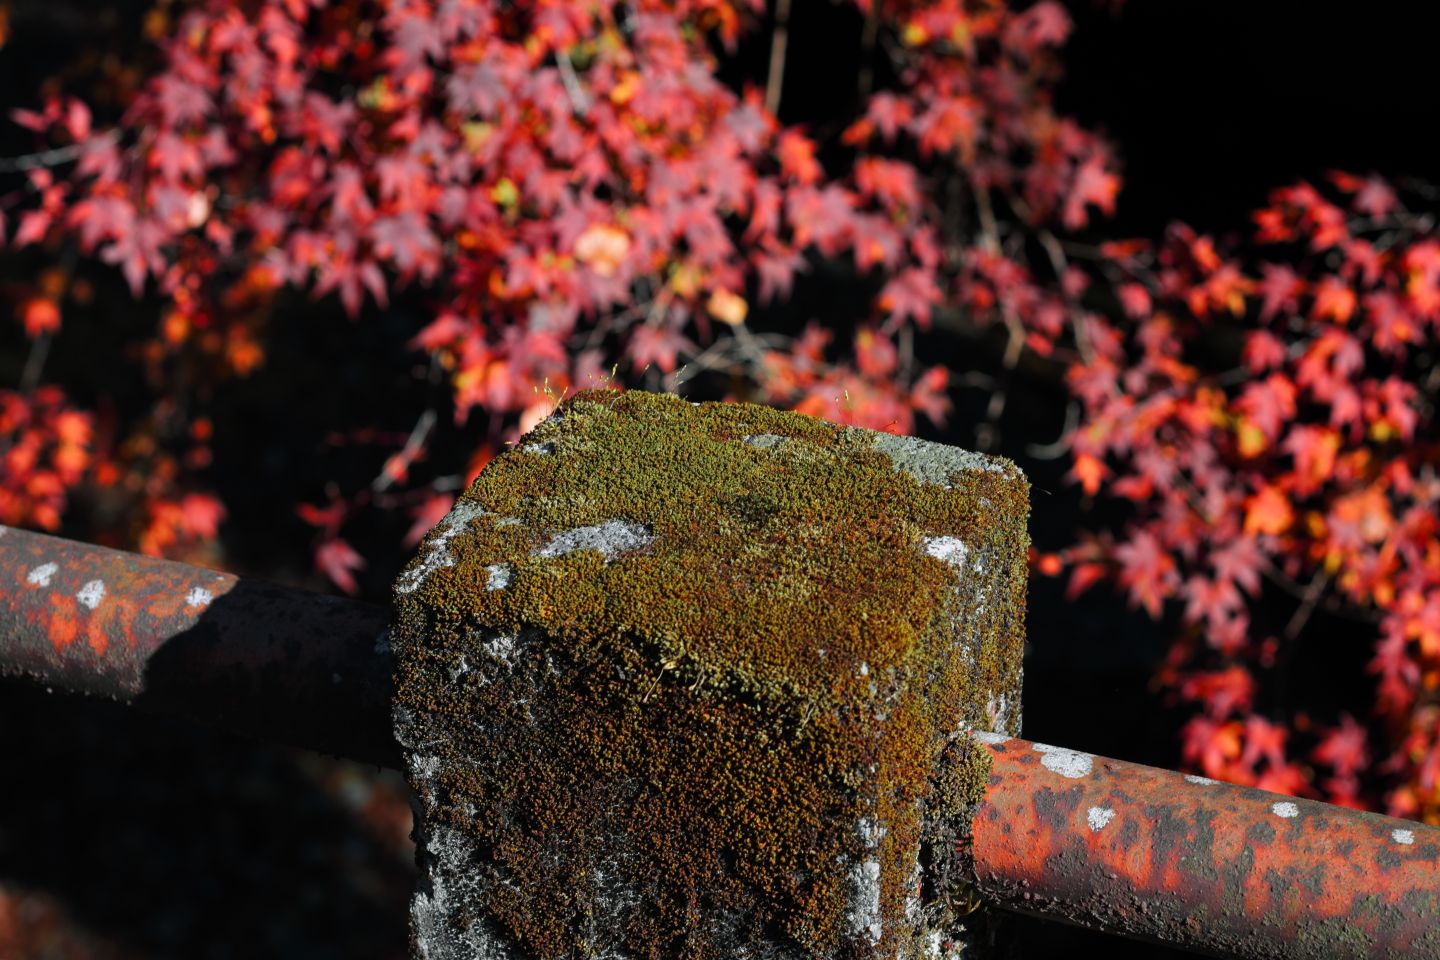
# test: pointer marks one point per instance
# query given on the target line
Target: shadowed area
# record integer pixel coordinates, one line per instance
(159, 838)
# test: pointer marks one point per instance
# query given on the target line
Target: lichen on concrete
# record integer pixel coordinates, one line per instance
(715, 704)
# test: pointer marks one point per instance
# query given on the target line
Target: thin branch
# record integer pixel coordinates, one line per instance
(907, 354)
(53, 157)
(579, 99)
(989, 230)
(779, 40)
(1330, 604)
(35, 363)
(987, 434)
(45, 158)
(867, 54)
(1307, 606)
(1056, 448)
(1060, 265)
(413, 443)
(976, 379)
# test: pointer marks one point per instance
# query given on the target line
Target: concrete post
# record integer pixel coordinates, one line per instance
(692, 680)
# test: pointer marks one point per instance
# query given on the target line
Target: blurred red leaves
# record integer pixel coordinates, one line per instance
(1306, 459)
(578, 195)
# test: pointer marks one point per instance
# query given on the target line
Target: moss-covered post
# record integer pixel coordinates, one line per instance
(691, 681)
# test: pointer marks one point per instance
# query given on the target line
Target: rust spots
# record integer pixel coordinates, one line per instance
(250, 656)
(64, 625)
(1223, 869)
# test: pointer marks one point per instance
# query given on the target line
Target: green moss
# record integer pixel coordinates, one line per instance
(707, 717)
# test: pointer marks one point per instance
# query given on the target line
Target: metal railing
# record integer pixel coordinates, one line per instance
(1131, 850)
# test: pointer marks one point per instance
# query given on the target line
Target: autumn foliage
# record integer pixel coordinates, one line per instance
(575, 197)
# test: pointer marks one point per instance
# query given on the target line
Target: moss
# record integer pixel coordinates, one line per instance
(697, 724)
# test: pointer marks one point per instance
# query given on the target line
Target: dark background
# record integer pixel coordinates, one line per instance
(122, 835)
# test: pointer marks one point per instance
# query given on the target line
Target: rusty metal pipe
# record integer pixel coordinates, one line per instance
(1100, 843)
(248, 656)
(1198, 864)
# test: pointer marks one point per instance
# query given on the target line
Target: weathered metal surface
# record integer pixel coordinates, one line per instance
(1114, 846)
(1207, 866)
(249, 656)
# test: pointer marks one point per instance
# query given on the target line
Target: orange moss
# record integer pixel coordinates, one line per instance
(674, 748)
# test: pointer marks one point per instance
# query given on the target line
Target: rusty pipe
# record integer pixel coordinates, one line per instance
(1202, 865)
(248, 656)
(1128, 849)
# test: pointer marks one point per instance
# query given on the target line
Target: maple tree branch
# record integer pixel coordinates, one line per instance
(976, 379)
(1307, 605)
(1329, 604)
(749, 345)
(45, 158)
(413, 443)
(35, 363)
(579, 99)
(866, 81)
(989, 231)
(906, 365)
(779, 40)
(1051, 244)
(721, 355)
(1055, 449)
(53, 157)
(987, 434)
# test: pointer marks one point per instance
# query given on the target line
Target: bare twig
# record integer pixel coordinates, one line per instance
(1060, 265)
(579, 99)
(35, 363)
(988, 433)
(775, 79)
(906, 365)
(1307, 605)
(1056, 448)
(51, 158)
(413, 443)
(45, 158)
(989, 230)
(867, 54)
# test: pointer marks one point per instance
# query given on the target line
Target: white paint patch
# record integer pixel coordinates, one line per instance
(1200, 781)
(92, 593)
(1067, 763)
(437, 553)
(1285, 809)
(611, 538)
(1098, 817)
(951, 550)
(985, 736)
(497, 576)
(198, 597)
(40, 576)
(1406, 837)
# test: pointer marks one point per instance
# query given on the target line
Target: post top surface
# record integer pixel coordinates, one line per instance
(745, 541)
